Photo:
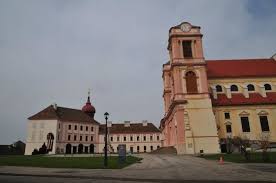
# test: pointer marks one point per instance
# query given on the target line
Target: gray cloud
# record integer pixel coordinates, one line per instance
(53, 51)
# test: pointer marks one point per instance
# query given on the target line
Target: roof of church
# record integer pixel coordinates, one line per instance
(133, 128)
(264, 67)
(239, 99)
(63, 114)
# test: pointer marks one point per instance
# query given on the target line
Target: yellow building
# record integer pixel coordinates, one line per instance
(207, 101)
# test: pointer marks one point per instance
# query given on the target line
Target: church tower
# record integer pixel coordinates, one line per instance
(189, 123)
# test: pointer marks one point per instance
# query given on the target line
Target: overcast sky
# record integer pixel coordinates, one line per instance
(53, 51)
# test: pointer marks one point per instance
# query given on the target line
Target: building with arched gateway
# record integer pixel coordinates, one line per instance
(207, 102)
(73, 131)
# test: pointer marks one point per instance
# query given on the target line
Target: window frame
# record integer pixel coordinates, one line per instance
(245, 129)
(187, 49)
(236, 89)
(219, 89)
(264, 128)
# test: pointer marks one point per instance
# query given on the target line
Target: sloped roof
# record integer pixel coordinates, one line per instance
(133, 128)
(239, 99)
(264, 67)
(63, 114)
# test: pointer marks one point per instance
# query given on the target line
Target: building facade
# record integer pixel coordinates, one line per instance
(206, 101)
(138, 137)
(63, 130)
(71, 131)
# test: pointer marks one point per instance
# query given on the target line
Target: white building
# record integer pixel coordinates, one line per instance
(63, 130)
(138, 137)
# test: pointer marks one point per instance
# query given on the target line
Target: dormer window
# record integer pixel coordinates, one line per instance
(267, 87)
(187, 49)
(251, 87)
(218, 88)
(234, 88)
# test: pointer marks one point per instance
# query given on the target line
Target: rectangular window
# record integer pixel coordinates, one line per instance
(124, 138)
(80, 138)
(145, 138)
(157, 137)
(92, 138)
(228, 129)
(187, 49)
(151, 148)
(76, 127)
(138, 148)
(59, 126)
(227, 115)
(69, 137)
(111, 139)
(86, 138)
(264, 123)
(151, 138)
(92, 129)
(118, 138)
(81, 128)
(86, 128)
(145, 148)
(138, 138)
(131, 138)
(245, 124)
(75, 137)
(69, 127)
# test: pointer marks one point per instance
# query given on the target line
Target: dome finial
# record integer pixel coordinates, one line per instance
(88, 98)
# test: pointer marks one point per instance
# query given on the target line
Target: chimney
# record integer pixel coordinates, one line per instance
(54, 106)
(127, 123)
(109, 124)
(145, 122)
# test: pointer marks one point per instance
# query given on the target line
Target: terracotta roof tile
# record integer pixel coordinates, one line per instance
(63, 114)
(239, 99)
(133, 128)
(241, 68)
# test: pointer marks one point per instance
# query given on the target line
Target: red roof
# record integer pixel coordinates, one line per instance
(241, 68)
(133, 128)
(239, 99)
(63, 114)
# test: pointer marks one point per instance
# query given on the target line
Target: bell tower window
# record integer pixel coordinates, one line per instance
(187, 49)
(191, 82)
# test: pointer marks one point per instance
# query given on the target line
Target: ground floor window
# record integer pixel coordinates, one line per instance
(138, 149)
(151, 148)
(145, 148)
(264, 123)
(245, 124)
(228, 128)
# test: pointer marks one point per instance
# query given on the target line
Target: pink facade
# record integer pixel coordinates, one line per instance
(185, 88)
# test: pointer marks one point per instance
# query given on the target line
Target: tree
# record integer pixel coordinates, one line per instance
(264, 145)
(35, 152)
(43, 149)
(242, 143)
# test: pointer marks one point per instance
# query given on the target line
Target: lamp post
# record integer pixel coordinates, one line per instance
(105, 142)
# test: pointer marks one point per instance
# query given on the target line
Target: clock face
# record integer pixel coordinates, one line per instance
(185, 27)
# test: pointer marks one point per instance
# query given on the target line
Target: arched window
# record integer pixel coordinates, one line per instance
(218, 88)
(234, 88)
(267, 87)
(251, 87)
(191, 83)
(50, 141)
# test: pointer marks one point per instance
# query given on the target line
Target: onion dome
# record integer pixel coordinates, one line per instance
(88, 107)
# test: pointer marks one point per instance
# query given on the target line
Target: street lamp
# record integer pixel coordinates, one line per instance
(105, 142)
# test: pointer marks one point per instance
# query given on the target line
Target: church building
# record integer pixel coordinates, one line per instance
(207, 101)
